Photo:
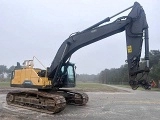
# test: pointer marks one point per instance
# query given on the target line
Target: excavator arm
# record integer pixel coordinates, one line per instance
(136, 28)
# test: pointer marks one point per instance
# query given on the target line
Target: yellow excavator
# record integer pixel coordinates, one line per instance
(51, 97)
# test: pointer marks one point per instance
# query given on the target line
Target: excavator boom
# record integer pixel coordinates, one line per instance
(134, 24)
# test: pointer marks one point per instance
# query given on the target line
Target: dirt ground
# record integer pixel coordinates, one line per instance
(124, 104)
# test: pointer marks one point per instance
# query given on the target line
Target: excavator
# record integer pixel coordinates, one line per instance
(50, 96)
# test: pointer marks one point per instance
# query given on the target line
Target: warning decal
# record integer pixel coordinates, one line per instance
(129, 49)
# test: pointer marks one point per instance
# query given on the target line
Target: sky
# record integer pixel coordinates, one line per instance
(38, 27)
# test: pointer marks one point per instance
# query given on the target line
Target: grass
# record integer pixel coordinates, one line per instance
(85, 87)
(4, 84)
(95, 87)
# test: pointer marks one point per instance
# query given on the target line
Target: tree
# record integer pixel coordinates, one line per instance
(154, 65)
(9, 71)
(154, 57)
(3, 70)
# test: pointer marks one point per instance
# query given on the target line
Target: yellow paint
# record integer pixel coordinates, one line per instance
(129, 49)
(29, 73)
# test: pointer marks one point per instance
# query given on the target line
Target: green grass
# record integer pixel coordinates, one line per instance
(85, 87)
(95, 87)
(4, 84)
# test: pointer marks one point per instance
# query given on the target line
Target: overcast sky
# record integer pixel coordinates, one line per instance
(38, 27)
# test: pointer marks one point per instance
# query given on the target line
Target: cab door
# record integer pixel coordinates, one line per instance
(69, 74)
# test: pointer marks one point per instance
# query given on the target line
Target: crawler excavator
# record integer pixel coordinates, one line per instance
(51, 97)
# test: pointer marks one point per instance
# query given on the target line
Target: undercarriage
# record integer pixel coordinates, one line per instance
(46, 102)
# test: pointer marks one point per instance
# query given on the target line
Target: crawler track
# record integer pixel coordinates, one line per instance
(74, 97)
(46, 102)
(38, 101)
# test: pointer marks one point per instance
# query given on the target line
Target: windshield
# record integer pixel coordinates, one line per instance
(70, 71)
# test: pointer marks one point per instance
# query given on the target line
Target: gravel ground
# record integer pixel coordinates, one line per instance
(131, 105)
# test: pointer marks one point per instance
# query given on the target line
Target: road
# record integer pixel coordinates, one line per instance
(131, 105)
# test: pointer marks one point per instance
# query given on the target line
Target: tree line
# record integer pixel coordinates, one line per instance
(5, 72)
(120, 75)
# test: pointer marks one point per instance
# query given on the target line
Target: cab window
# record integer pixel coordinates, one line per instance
(70, 71)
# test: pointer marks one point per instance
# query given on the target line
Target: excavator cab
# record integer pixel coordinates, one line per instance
(66, 76)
